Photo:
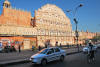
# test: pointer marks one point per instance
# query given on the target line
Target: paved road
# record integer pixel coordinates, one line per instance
(74, 60)
(16, 56)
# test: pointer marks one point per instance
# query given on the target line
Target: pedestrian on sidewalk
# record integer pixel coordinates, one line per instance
(33, 48)
(56, 44)
(60, 44)
(80, 44)
(39, 47)
(19, 48)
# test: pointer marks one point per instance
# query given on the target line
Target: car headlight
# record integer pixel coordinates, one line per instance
(31, 58)
(39, 58)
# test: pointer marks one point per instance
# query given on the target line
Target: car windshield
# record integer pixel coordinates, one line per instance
(43, 51)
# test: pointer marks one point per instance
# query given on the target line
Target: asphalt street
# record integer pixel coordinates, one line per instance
(73, 60)
(16, 56)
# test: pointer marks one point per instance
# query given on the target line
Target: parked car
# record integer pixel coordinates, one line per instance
(8, 49)
(98, 45)
(86, 49)
(48, 54)
(1, 49)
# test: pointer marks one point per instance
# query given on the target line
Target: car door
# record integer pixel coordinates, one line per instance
(57, 53)
(50, 55)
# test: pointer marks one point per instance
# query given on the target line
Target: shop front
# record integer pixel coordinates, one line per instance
(24, 42)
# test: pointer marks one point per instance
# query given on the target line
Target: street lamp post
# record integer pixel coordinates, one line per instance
(76, 33)
(76, 22)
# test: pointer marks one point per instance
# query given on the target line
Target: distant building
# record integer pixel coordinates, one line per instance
(97, 33)
(85, 35)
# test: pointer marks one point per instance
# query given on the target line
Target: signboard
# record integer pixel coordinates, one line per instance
(0, 44)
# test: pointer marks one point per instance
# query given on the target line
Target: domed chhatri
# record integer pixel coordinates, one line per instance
(6, 4)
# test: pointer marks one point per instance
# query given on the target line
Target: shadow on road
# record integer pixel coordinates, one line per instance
(50, 64)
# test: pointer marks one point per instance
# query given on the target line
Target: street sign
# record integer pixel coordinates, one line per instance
(0, 44)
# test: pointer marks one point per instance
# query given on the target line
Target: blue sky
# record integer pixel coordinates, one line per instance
(88, 16)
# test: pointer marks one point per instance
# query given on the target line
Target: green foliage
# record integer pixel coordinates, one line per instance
(33, 42)
(34, 48)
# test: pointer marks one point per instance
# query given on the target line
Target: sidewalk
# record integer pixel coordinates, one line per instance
(16, 57)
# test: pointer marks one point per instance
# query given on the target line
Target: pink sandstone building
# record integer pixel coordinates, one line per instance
(49, 24)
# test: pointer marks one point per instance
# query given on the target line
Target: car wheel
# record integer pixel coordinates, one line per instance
(62, 58)
(44, 62)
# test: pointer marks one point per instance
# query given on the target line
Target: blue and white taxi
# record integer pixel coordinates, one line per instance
(48, 54)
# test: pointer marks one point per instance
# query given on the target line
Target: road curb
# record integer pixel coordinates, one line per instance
(73, 53)
(14, 62)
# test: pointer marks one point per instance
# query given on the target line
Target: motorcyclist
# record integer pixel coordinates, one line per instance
(91, 52)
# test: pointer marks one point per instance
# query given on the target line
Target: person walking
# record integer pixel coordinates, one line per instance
(39, 47)
(19, 48)
(60, 45)
(33, 48)
(56, 44)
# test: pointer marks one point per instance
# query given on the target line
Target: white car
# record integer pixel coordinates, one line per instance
(1, 49)
(98, 45)
(86, 49)
(47, 55)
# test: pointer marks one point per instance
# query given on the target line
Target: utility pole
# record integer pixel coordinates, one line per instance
(76, 23)
(76, 33)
